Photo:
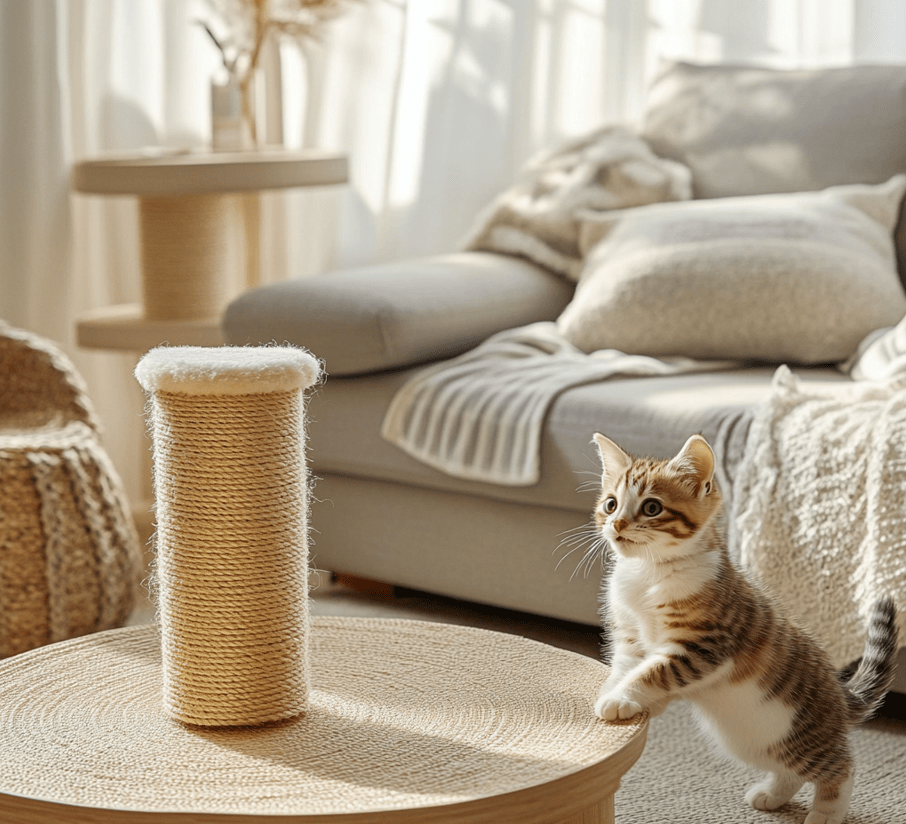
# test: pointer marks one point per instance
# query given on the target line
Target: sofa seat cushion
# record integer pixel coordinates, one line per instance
(399, 314)
(648, 416)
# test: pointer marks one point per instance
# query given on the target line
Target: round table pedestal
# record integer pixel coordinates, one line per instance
(408, 721)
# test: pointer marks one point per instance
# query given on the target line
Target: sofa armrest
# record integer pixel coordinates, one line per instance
(389, 316)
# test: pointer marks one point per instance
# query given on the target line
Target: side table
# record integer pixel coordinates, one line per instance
(186, 203)
(409, 722)
(185, 221)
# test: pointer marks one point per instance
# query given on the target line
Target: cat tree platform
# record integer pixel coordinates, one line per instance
(408, 722)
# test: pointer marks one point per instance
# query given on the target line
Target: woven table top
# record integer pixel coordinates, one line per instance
(405, 716)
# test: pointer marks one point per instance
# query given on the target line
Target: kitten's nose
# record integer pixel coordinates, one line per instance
(619, 525)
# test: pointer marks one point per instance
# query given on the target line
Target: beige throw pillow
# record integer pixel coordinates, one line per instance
(798, 278)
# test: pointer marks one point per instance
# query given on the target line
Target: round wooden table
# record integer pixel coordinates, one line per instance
(408, 721)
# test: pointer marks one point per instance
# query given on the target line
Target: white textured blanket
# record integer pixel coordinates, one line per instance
(538, 216)
(820, 505)
(480, 416)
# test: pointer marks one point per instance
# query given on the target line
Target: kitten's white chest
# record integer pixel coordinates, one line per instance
(638, 592)
(636, 599)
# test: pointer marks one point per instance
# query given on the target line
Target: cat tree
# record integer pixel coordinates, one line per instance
(240, 707)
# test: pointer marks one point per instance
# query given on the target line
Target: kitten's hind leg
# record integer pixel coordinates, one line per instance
(831, 801)
(774, 791)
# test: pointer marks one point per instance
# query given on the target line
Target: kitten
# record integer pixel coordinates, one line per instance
(685, 623)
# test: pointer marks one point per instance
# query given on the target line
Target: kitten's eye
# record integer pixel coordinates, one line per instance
(610, 505)
(651, 508)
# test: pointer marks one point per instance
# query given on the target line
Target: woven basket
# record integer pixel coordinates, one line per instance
(69, 555)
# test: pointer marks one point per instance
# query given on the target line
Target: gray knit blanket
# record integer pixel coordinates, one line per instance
(538, 217)
(480, 416)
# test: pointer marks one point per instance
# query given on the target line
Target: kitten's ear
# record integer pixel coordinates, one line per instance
(696, 461)
(613, 459)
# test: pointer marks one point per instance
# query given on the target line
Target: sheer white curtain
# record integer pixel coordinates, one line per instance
(77, 78)
(438, 102)
(441, 101)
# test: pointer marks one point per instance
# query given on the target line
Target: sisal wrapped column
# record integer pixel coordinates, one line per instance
(230, 483)
(185, 247)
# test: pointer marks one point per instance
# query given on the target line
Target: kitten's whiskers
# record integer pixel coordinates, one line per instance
(592, 485)
(588, 538)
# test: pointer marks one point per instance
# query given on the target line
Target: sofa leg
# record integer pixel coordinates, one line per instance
(365, 585)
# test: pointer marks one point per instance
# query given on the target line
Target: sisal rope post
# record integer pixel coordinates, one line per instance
(230, 482)
(185, 248)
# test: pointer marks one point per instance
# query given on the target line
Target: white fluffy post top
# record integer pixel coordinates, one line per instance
(227, 370)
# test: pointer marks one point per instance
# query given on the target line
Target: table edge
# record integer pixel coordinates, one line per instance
(208, 172)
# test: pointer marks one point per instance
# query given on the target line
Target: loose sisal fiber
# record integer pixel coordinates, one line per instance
(230, 483)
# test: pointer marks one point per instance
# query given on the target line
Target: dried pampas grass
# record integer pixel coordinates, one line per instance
(240, 28)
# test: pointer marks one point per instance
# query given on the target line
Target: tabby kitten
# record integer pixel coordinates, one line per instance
(685, 623)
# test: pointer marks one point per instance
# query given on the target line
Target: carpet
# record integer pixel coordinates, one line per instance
(681, 777)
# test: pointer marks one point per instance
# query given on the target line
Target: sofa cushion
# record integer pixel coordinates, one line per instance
(395, 315)
(647, 416)
(747, 130)
(798, 278)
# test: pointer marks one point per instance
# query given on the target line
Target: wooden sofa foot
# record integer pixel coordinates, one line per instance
(365, 585)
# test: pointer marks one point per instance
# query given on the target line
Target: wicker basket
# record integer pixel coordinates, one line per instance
(69, 555)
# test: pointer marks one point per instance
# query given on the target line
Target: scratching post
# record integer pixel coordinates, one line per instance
(230, 482)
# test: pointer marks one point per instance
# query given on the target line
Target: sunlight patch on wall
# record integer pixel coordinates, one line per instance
(448, 59)
(293, 76)
(809, 33)
(582, 32)
(778, 33)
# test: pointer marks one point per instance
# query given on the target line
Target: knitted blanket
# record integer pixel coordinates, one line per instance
(538, 217)
(480, 416)
(819, 505)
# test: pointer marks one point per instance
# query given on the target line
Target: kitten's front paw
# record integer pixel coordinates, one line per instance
(616, 707)
(773, 792)
(761, 799)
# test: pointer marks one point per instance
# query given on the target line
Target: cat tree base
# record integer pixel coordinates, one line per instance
(409, 722)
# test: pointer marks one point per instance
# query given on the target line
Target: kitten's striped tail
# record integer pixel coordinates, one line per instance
(866, 689)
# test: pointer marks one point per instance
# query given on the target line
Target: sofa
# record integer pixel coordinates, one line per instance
(727, 134)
